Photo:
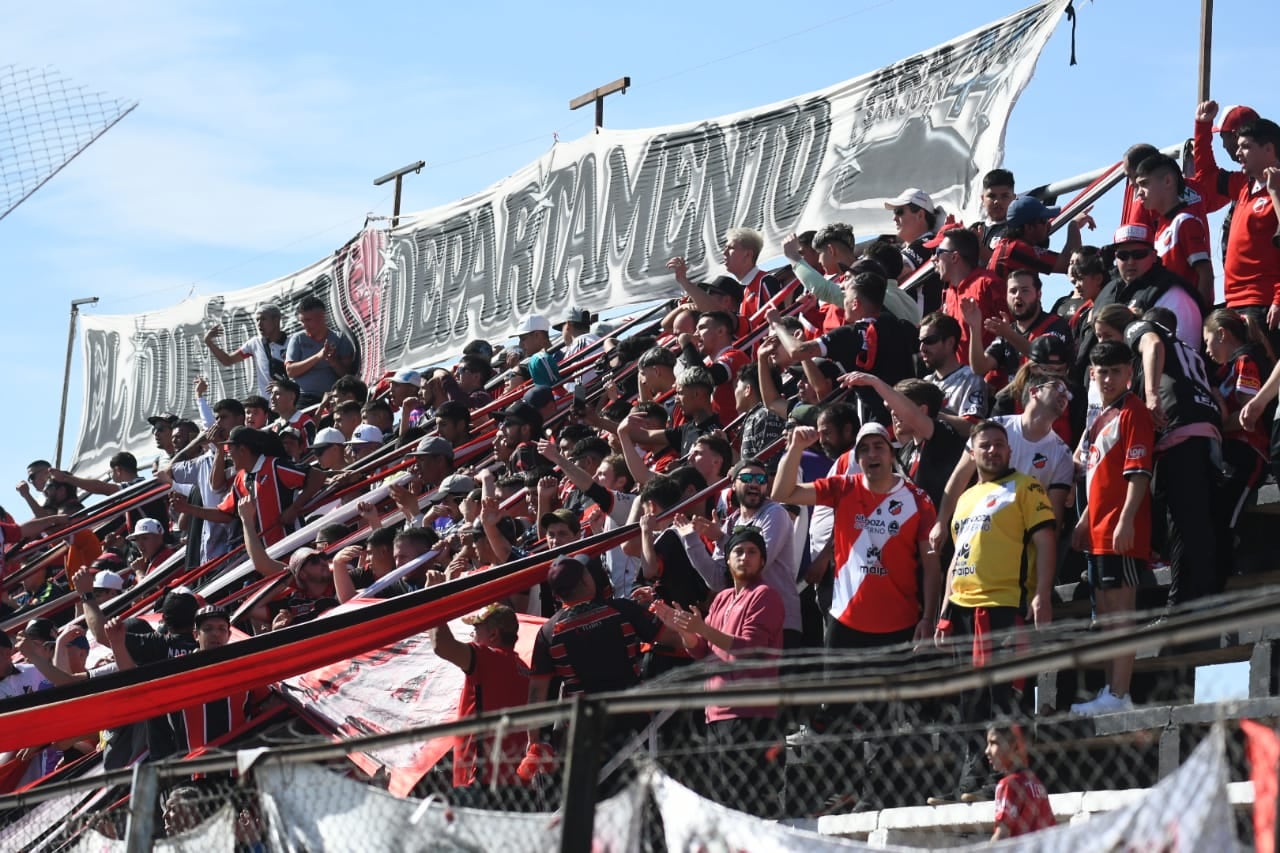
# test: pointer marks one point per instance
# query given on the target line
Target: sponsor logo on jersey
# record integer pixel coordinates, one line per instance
(862, 522)
(1137, 452)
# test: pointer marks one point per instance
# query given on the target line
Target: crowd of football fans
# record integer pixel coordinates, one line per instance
(815, 456)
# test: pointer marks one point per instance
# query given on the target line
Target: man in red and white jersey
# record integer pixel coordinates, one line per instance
(1117, 452)
(712, 347)
(280, 490)
(742, 247)
(882, 523)
(887, 580)
(1251, 270)
(1182, 237)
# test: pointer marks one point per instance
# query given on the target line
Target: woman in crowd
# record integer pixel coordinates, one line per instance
(1239, 350)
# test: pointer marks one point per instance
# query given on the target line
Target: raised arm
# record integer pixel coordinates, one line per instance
(701, 299)
(550, 451)
(82, 583)
(86, 484)
(635, 462)
(786, 486)
(226, 359)
(903, 409)
(443, 643)
(41, 657)
(769, 393)
(263, 563)
(979, 361)
(794, 349)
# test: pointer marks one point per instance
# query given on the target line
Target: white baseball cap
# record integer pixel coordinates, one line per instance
(407, 377)
(911, 195)
(869, 429)
(145, 526)
(366, 434)
(534, 323)
(328, 436)
(107, 579)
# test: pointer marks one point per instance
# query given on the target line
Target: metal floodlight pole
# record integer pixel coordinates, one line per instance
(1206, 49)
(398, 177)
(597, 97)
(66, 375)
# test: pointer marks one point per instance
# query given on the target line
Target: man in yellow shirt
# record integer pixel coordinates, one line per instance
(1003, 570)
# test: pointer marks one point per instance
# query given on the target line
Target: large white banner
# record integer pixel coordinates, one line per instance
(593, 223)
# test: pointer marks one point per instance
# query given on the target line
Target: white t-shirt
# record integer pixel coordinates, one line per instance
(262, 353)
(1187, 310)
(964, 392)
(1048, 460)
(26, 680)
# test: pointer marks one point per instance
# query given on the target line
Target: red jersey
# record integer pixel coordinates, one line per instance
(275, 484)
(1238, 383)
(1251, 269)
(498, 679)
(722, 401)
(756, 291)
(985, 289)
(876, 547)
(1182, 242)
(1118, 445)
(303, 422)
(1022, 804)
(1010, 254)
(830, 317)
(1132, 211)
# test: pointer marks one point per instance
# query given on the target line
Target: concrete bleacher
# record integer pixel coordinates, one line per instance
(1168, 675)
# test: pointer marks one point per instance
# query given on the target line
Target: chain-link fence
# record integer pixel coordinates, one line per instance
(900, 746)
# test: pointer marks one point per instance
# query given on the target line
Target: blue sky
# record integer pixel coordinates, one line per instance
(258, 133)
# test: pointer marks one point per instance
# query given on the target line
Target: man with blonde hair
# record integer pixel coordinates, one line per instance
(742, 247)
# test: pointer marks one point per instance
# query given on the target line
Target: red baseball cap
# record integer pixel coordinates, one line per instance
(1235, 118)
(1133, 232)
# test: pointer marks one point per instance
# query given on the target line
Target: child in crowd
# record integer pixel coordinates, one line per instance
(1022, 803)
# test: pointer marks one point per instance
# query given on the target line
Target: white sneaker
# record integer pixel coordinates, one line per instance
(1105, 702)
(803, 737)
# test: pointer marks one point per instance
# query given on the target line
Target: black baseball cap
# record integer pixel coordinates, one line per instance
(725, 285)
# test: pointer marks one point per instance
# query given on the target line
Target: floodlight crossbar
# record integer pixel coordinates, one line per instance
(401, 172)
(619, 85)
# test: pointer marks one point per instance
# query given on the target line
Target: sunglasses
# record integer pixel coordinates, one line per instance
(1059, 386)
(946, 252)
(1132, 254)
(930, 340)
(899, 211)
(748, 477)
